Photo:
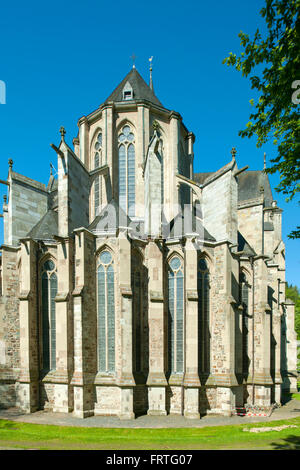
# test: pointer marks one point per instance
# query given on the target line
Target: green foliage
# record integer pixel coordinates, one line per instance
(275, 116)
(292, 293)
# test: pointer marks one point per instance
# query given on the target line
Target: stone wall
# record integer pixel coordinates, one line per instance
(219, 203)
(9, 328)
(27, 203)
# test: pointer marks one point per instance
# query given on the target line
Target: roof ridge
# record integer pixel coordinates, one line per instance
(141, 90)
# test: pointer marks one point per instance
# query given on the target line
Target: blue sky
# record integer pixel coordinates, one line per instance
(61, 60)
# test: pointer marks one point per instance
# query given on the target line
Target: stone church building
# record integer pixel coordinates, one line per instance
(132, 285)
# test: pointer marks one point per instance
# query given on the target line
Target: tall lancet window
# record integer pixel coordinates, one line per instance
(48, 293)
(176, 313)
(106, 312)
(244, 292)
(127, 171)
(183, 169)
(203, 317)
(98, 181)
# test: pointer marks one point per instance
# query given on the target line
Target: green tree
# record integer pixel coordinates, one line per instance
(292, 293)
(273, 66)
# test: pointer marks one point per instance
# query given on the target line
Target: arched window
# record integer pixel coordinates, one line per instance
(127, 171)
(183, 169)
(106, 312)
(176, 312)
(203, 316)
(48, 293)
(244, 293)
(98, 181)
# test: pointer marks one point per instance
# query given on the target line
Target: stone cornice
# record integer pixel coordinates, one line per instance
(62, 297)
(156, 296)
(78, 291)
(126, 291)
(10, 247)
(258, 201)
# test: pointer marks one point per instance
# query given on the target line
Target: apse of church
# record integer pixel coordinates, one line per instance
(132, 285)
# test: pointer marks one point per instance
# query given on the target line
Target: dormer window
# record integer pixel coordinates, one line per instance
(127, 92)
(127, 95)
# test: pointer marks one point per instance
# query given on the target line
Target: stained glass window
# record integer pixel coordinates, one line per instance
(203, 286)
(106, 312)
(176, 315)
(183, 169)
(127, 171)
(48, 293)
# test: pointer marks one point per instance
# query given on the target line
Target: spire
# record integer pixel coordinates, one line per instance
(151, 82)
(264, 160)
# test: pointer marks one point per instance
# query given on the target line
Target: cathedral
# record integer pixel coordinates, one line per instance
(132, 285)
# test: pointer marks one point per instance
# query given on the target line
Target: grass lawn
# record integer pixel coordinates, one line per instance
(35, 436)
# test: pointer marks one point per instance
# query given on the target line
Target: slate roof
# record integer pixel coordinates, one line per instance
(110, 218)
(201, 177)
(46, 227)
(244, 246)
(250, 184)
(178, 226)
(141, 91)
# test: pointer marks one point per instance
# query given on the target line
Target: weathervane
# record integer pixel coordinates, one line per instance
(133, 57)
(151, 83)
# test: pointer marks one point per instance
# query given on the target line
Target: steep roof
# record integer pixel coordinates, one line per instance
(141, 91)
(110, 218)
(244, 246)
(250, 184)
(46, 227)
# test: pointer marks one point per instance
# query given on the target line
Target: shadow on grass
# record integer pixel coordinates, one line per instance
(289, 443)
(7, 425)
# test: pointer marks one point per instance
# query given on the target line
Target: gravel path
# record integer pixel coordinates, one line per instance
(289, 410)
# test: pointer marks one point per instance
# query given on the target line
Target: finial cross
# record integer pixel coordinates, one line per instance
(62, 132)
(10, 162)
(233, 152)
